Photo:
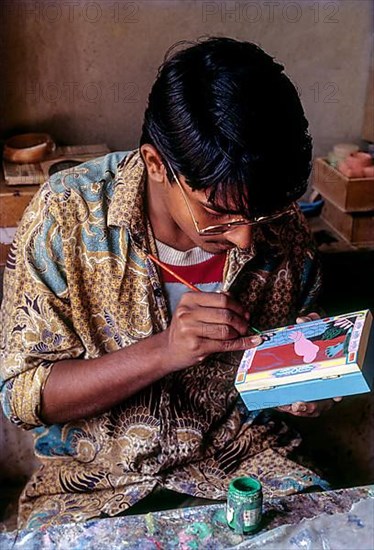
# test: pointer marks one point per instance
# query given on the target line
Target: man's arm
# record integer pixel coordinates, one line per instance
(203, 323)
(80, 388)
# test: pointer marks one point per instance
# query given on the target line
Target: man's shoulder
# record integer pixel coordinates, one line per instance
(90, 178)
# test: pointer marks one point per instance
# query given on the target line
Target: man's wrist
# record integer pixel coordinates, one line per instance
(160, 354)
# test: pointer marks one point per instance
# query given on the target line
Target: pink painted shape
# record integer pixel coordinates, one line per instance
(303, 347)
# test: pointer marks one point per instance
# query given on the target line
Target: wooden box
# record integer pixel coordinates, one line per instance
(357, 228)
(349, 194)
(324, 358)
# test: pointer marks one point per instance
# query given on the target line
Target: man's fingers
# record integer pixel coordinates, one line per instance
(227, 302)
(310, 408)
(218, 300)
(307, 318)
(208, 346)
(243, 343)
(284, 408)
(215, 331)
(304, 408)
(219, 316)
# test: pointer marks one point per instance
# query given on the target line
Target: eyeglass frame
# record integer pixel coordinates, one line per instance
(219, 229)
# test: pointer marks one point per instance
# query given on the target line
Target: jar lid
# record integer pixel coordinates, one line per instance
(245, 486)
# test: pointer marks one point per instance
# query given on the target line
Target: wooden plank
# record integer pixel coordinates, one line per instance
(357, 228)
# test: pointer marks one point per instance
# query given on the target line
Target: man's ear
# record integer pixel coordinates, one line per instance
(155, 167)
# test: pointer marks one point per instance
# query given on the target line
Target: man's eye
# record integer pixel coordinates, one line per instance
(214, 215)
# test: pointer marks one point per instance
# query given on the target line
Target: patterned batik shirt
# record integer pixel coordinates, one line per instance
(78, 284)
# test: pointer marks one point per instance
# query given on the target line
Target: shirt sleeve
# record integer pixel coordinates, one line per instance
(36, 326)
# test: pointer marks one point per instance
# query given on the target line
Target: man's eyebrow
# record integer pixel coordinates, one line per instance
(219, 209)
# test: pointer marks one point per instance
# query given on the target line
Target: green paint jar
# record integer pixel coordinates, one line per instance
(244, 505)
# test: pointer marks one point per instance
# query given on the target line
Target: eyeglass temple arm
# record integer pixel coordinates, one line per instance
(184, 198)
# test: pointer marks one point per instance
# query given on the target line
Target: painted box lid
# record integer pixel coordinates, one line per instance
(329, 357)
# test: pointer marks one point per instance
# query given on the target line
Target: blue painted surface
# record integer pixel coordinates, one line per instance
(311, 390)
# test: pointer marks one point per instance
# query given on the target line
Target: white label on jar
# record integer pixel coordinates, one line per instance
(251, 517)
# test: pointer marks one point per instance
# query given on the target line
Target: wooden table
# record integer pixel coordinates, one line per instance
(333, 519)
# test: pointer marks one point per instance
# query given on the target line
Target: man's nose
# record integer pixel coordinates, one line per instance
(240, 236)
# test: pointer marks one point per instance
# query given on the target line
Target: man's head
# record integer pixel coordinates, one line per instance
(228, 123)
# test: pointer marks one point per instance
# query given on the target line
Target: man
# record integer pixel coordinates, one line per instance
(127, 379)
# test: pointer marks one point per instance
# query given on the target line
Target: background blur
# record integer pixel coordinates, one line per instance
(82, 70)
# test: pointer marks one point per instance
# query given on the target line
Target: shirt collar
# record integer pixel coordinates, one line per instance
(127, 205)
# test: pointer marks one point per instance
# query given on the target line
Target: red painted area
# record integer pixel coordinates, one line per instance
(285, 356)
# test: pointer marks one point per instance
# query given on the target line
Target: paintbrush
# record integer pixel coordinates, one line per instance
(183, 281)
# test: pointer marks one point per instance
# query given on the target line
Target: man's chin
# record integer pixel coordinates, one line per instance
(216, 248)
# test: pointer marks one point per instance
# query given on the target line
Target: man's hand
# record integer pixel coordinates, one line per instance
(205, 323)
(310, 409)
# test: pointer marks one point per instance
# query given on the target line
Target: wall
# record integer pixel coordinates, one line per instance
(82, 70)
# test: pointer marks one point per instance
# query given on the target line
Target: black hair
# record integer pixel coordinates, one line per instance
(224, 115)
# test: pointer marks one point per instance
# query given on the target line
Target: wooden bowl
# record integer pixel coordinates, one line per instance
(28, 148)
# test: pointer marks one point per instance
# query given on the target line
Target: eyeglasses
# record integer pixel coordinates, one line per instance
(228, 226)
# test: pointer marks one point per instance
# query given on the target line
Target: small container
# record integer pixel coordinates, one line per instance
(244, 505)
(369, 171)
(332, 159)
(358, 160)
(350, 171)
(342, 150)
